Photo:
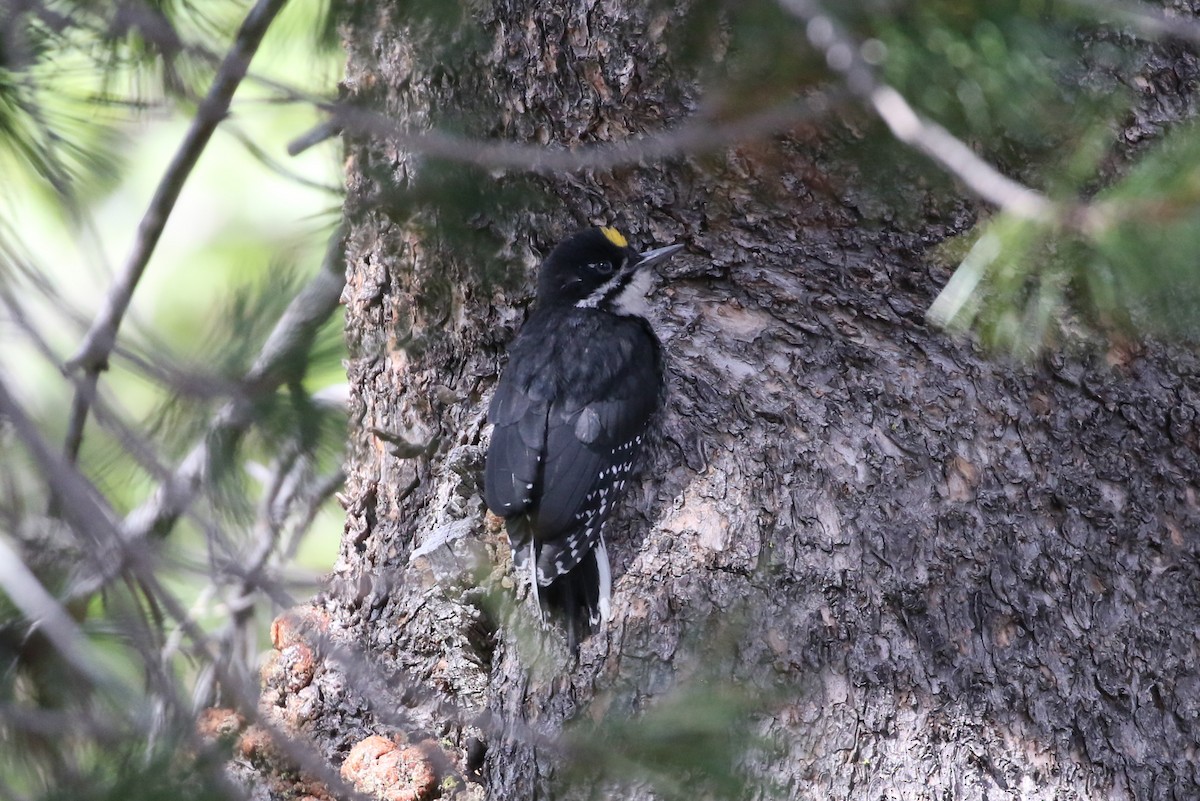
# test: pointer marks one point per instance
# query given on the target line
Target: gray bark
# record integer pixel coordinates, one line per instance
(942, 576)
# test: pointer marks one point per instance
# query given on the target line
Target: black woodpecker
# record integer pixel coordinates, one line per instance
(584, 378)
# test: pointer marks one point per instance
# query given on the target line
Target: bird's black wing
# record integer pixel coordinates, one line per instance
(569, 415)
(518, 412)
(594, 434)
(589, 451)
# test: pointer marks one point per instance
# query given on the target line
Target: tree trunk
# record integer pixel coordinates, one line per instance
(931, 575)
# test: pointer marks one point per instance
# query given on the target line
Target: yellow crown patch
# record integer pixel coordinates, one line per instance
(614, 236)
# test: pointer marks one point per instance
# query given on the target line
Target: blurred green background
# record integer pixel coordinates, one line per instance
(95, 100)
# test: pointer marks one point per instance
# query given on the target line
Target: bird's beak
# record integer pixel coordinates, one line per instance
(656, 255)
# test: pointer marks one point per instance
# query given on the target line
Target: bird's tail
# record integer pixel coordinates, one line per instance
(577, 601)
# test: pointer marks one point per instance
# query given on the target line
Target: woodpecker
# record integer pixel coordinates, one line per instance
(570, 415)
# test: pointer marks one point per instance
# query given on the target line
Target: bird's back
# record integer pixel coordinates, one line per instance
(570, 415)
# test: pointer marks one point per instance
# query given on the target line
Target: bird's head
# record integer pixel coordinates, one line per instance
(592, 268)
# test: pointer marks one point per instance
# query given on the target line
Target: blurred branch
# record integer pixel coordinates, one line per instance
(98, 343)
(279, 359)
(958, 159)
(300, 753)
(151, 358)
(293, 335)
(285, 491)
(844, 56)
(1145, 19)
(86, 512)
(264, 158)
(315, 136)
(320, 491)
(93, 521)
(77, 501)
(110, 418)
(695, 137)
(39, 606)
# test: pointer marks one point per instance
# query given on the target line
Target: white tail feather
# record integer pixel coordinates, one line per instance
(605, 571)
(533, 579)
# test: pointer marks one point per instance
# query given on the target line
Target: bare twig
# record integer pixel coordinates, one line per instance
(321, 491)
(278, 359)
(327, 129)
(692, 138)
(43, 610)
(264, 158)
(274, 541)
(101, 337)
(92, 520)
(958, 159)
(81, 403)
(844, 56)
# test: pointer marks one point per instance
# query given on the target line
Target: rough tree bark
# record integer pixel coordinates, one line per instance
(955, 578)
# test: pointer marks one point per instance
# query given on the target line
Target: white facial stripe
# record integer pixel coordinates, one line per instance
(607, 289)
(631, 300)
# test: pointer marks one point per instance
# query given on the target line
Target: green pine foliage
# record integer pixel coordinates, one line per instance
(94, 100)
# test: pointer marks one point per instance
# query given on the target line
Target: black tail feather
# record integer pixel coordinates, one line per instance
(578, 601)
(574, 601)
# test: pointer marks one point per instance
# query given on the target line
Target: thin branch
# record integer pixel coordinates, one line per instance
(101, 337)
(81, 402)
(92, 515)
(320, 491)
(290, 339)
(300, 752)
(274, 541)
(92, 520)
(1147, 20)
(268, 530)
(43, 609)
(106, 415)
(264, 158)
(327, 129)
(695, 137)
(958, 159)
(844, 56)
(293, 335)
(18, 263)
(149, 357)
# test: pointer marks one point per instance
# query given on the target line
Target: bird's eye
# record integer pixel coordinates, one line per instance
(602, 267)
